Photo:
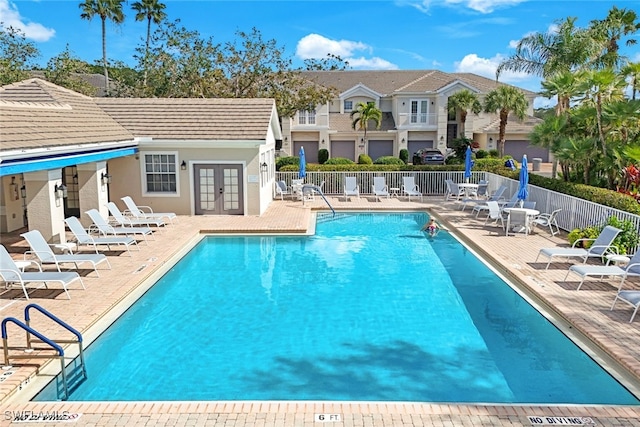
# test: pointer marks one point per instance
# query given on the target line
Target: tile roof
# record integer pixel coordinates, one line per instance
(390, 82)
(35, 113)
(192, 118)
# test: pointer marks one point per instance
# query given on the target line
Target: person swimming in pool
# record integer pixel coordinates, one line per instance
(431, 227)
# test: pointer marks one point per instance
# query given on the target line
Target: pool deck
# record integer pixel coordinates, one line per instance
(91, 310)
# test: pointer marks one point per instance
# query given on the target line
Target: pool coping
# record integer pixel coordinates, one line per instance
(353, 413)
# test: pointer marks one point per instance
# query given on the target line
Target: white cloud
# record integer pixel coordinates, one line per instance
(486, 67)
(374, 63)
(317, 46)
(10, 17)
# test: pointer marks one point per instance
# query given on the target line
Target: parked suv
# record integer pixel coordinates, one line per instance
(428, 156)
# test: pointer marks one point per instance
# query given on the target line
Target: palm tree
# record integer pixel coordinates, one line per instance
(546, 54)
(105, 9)
(464, 101)
(504, 100)
(551, 134)
(152, 11)
(365, 112)
(608, 33)
(601, 87)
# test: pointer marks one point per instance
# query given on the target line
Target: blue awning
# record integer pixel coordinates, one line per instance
(61, 160)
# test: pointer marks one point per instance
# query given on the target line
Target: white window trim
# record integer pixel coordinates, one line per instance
(143, 174)
(306, 115)
(419, 102)
(345, 105)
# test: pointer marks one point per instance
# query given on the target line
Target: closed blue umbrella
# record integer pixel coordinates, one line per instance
(468, 164)
(303, 164)
(523, 191)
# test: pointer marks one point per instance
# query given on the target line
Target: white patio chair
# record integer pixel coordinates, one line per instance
(143, 212)
(410, 188)
(282, 189)
(548, 220)
(125, 221)
(101, 226)
(11, 274)
(601, 246)
(45, 255)
(82, 237)
(379, 187)
(351, 187)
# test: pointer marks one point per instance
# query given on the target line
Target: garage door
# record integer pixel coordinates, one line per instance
(346, 149)
(310, 150)
(517, 149)
(416, 145)
(379, 148)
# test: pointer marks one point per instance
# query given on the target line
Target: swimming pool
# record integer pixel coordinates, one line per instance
(367, 309)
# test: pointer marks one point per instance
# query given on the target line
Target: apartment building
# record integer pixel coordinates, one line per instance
(414, 116)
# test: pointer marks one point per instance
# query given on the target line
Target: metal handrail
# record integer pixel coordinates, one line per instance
(30, 330)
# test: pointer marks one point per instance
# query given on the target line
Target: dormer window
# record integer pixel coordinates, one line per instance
(348, 105)
(307, 117)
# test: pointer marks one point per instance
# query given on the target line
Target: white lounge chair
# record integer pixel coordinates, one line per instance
(104, 228)
(586, 270)
(282, 189)
(11, 274)
(548, 220)
(410, 188)
(125, 221)
(631, 297)
(82, 237)
(45, 255)
(601, 246)
(351, 187)
(379, 187)
(143, 212)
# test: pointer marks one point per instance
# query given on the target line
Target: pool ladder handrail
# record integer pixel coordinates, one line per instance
(55, 345)
(318, 190)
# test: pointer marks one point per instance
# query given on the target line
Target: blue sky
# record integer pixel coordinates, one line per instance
(449, 35)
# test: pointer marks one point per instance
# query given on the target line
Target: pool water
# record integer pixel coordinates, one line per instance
(369, 308)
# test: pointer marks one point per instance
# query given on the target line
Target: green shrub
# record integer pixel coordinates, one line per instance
(364, 159)
(481, 154)
(339, 161)
(388, 160)
(323, 156)
(493, 153)
(404, 155)
(287, 160)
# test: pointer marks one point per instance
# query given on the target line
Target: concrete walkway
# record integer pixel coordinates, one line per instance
(585, 312)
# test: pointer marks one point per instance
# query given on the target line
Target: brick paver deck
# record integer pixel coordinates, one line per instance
(585, 312)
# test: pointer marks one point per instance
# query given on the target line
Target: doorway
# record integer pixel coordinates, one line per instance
(218, 189)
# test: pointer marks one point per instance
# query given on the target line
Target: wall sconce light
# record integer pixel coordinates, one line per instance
(402, 102)
(23, 191)
(441, 138)
(323, 141)
(60, 191)
(361, 140)
(490, 140)
(183, 165)
(431, 102)
(403, 140)
(286, 139)
(264, 166)
(106, 178)
(75, 178)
